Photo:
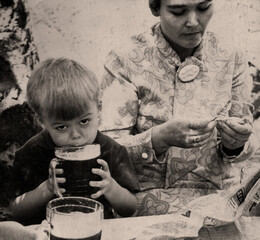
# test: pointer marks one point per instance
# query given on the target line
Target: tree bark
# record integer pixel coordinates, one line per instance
(18, 56)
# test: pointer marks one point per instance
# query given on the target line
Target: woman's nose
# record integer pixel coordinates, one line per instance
(192, 20)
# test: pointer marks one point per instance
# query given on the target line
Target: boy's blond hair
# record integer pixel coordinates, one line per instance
(61, 89)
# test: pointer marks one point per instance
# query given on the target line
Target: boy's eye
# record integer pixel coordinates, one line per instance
(61, 127)
(84, 121)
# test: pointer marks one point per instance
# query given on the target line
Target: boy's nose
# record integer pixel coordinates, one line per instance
(75, 133)
(192, 20)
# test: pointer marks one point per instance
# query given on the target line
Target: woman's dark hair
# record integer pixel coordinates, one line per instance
(155, 4)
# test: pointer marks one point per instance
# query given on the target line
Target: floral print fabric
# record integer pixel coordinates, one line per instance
(141, 88)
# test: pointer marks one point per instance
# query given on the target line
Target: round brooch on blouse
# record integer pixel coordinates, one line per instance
(188, 73)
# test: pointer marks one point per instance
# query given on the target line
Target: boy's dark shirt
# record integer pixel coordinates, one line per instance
(31, 168)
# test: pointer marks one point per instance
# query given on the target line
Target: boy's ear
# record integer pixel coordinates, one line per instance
(39, 120)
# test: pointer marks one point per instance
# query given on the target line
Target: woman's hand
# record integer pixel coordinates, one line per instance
(182, 133)
(53, 180)
(106, 183)
(234, 132)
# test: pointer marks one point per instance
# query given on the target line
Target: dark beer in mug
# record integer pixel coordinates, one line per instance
(77, 163)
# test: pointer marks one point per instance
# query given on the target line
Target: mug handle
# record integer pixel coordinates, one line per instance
(41, 231)
(54, 163)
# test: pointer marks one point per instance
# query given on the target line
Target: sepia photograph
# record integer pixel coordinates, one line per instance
(129, 119)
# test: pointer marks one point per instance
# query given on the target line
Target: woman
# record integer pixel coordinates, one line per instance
(180, 102)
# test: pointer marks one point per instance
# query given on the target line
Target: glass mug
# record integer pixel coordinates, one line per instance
(75, 218)
(77, 163)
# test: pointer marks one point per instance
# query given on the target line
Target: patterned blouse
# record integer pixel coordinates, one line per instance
(141, 88)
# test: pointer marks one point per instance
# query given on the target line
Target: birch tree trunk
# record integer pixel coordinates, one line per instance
(18, 56)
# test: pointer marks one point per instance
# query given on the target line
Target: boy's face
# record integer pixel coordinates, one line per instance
(76, 132)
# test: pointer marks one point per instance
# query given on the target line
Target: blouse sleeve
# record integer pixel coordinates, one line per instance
(241, 104)
(120, 105)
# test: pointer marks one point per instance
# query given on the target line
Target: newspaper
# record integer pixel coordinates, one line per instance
(210, 210)
(173, 226)
(228, 206)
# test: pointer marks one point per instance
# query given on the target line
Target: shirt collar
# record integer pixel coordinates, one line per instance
(166, 49)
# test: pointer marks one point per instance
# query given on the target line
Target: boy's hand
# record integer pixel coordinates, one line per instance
(53, 180)
(106, 183)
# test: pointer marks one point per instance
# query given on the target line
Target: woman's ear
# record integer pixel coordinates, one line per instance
(155, 7)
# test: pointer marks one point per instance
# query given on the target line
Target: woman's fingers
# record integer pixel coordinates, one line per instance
(239, 125)
(238, 133)
(200, 128)
(234, 132)
(231, 142)
(205, 125)
(204, 136)
(199, 140)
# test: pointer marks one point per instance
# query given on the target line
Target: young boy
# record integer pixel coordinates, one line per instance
(65, 97)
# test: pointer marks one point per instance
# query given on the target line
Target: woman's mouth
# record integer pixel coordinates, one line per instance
(191, 33)
(192, 36)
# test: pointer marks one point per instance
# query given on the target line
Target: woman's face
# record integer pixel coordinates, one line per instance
(183, 22)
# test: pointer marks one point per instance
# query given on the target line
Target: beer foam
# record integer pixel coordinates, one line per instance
(76, 225)
(78, 153)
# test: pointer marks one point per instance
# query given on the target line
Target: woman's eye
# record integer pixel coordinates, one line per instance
(84, 121)
(204, 7)
(178, 12)
(61, 127)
